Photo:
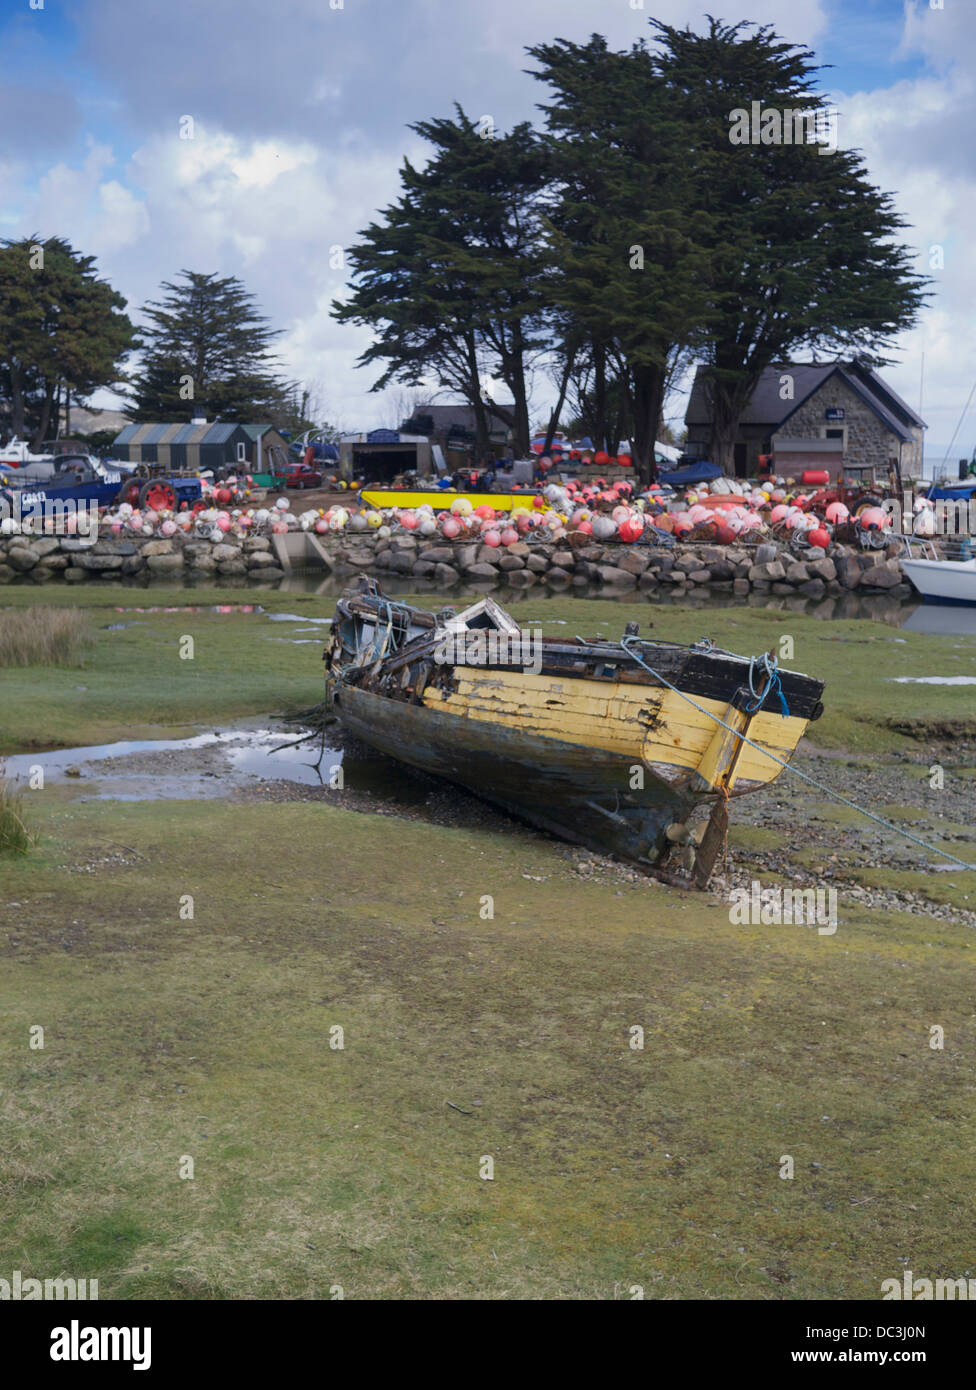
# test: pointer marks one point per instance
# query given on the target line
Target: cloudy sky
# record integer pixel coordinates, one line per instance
(299, 112)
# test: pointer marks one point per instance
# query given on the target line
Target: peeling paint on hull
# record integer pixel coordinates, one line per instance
(579, 793)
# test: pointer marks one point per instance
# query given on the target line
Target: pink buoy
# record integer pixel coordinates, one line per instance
(837, 514)
(451, 528)
(492, 538)
(509, 536)
(874, 519)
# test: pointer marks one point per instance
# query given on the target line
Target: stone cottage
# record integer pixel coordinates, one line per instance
(838, 416)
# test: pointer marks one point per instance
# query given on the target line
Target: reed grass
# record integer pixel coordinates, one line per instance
(16, 836)
(44, 636)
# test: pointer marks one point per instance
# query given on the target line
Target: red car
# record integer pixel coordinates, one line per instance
(303, 476)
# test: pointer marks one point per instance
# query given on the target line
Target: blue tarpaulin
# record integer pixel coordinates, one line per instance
(700, 472)
(962, 492)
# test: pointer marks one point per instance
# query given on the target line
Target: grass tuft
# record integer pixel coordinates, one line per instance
(44, 636)
(16, 837)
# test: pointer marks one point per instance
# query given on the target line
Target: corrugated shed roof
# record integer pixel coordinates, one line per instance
(140, 435)
(125, 436)
(219, 433)
(155, 434)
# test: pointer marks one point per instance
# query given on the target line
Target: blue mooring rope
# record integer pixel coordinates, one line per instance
(627, 643)
(774, 684)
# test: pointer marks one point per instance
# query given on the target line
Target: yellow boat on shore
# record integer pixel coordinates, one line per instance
(441, 500)
(618, 745)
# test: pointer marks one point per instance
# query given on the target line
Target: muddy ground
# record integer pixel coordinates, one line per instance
(791, 831)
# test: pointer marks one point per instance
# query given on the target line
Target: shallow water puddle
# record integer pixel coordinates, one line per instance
(213, 764)
(933, 680)
(203, 765)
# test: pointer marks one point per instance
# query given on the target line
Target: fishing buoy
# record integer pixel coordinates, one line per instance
(819, 537)
(874, 519)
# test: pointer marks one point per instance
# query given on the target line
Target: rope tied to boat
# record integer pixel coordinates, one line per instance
(774, 683)
(627, 643)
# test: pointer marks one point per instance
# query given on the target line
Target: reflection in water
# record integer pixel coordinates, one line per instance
(942, 620)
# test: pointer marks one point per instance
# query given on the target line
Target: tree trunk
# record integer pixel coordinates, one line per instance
(648, 394)
(474, 395)
(727, 400)
(516, 379)
(599, 396)
(560, 402)
(40, 434)
(17, 423)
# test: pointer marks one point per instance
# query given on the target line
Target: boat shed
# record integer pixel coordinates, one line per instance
(200, 446)
(383, 454)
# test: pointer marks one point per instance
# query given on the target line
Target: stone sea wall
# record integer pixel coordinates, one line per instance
(765, 568)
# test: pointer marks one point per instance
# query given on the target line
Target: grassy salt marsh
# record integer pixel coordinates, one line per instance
(210, 1037)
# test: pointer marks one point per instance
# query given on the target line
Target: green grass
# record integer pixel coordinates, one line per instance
(208, 1037)
(314, 1167)
(138, 682)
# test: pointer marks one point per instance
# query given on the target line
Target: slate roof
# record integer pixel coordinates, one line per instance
(766, 408)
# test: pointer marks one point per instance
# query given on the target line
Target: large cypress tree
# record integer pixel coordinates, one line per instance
(207, 350)
(450, 281)
(62, 329)
(804, 252)
(627, 255)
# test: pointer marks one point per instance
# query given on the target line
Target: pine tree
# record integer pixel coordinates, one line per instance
(207, 351)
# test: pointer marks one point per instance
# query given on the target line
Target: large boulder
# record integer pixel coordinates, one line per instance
(96, 562)
(883, 576)
(439, 554)
(634, 562)
(164, 564)
(224, 552)
(22, 557)
(613, 574)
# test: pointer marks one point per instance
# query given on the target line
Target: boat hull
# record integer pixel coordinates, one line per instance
(943, 581)
(579, 793)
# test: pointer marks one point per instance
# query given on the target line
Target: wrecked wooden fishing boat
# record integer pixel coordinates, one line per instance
(631, 747)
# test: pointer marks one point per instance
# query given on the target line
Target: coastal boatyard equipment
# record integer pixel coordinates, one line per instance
(632, 748)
